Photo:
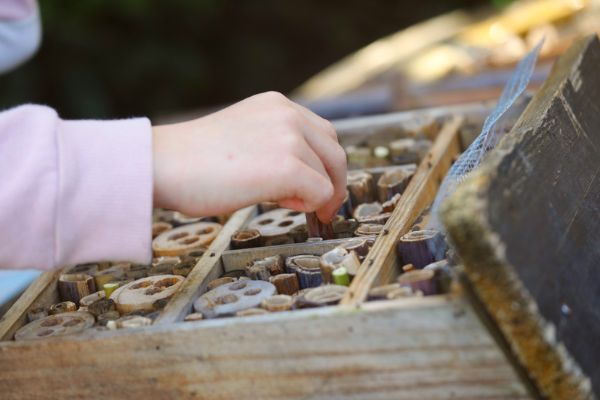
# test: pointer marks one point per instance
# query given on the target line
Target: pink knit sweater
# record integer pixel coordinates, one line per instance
(73, 191)
(70, 191)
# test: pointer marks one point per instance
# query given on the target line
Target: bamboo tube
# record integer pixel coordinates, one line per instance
(368, 229)
(318, 229)
(286, 283)
(344, 228)
(72, 287)
(307, 268)
(391, 183)
(361, 188)
(245, 239)
(338, 258)
(421, 248)
(367, 210)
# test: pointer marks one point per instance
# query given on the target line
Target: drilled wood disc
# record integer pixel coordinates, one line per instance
(56, 325)
(181, 240)
(140, 295)
(277, 222)
(233, 297)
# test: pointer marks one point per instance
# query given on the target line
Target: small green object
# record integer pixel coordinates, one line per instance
(341, 277)
(109, 288)
(381, 152)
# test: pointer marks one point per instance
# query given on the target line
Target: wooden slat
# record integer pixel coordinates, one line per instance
(526, 227)
(380, 264)
(205, 270)
(41, 292)
(236, 259)
(427, 348)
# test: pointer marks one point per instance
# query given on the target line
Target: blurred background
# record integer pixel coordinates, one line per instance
(148, 57)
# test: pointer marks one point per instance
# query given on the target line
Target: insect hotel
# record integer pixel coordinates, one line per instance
(268, 304)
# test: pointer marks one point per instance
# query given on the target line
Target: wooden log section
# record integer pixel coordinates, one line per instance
(73, 287)
(316, 228)
(391, 183)
(245, 239)
(380, 265)
(286, 283)
(426, 348)
(526, 227)
(421, 248)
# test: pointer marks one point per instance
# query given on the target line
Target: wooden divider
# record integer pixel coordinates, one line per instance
(204, 271)
(419, 348)
(41, 291)
(380, 266)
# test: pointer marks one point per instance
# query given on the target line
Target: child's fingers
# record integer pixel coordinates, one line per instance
(333, 158)
(324, 125)
(301, 181)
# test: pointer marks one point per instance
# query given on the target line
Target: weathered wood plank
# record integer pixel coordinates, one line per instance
(237, 259)
(526, 226)
(41, 292)
(205, 270)
(431, 348)
(380, 265)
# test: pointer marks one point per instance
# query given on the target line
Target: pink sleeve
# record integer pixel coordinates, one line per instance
(73, 191)
(16, 9)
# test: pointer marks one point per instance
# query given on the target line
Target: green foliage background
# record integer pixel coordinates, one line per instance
(109, 58)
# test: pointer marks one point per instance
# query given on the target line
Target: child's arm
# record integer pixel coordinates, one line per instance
(73, 191)
(80, 191)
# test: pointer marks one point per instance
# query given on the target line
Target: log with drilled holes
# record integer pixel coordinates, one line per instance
(181, 240)
(141, 295)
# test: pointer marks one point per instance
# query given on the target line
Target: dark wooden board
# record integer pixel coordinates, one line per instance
(527, 227)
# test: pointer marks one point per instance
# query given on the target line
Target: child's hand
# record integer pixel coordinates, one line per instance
(264, 148)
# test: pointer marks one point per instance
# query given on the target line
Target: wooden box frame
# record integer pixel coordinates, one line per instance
(435, 347)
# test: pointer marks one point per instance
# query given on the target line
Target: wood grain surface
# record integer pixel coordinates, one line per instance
(526, 226)
(431, 348)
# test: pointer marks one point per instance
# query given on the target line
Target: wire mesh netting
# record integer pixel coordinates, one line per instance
(494, 128)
